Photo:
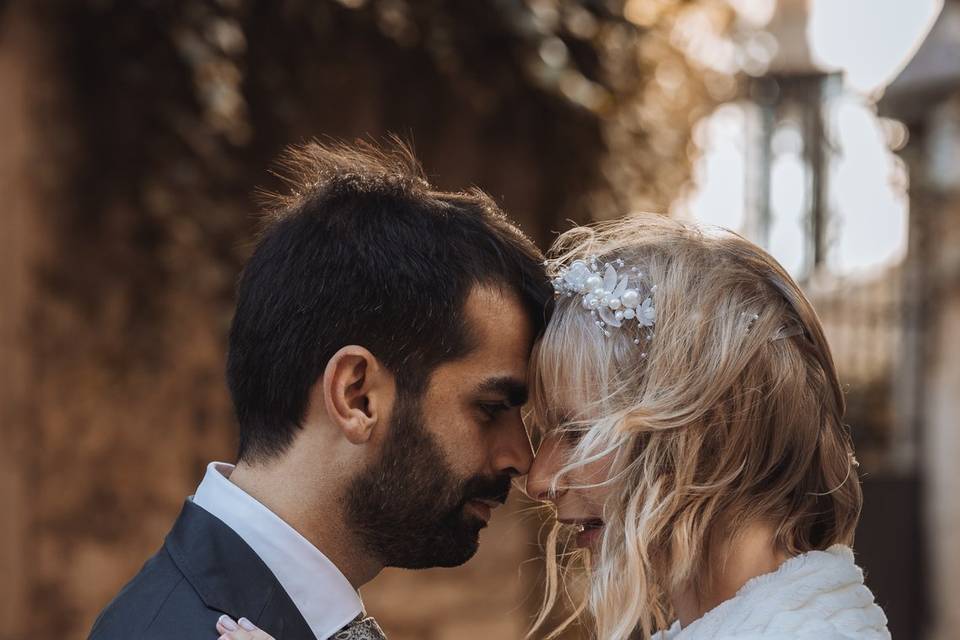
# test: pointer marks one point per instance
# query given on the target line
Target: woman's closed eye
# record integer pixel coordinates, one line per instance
(571, 433)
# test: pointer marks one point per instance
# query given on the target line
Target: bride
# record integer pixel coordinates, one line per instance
(688, 423)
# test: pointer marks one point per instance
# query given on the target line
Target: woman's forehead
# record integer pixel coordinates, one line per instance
(560, 395)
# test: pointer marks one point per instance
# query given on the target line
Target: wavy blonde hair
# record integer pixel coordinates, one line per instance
(730, 414)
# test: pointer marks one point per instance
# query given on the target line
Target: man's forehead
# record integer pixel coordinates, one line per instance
(500, 328)
(501, 340)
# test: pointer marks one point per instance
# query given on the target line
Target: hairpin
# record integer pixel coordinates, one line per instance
(609, 297)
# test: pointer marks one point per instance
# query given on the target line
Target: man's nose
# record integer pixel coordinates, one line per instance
(514, 453)
(543, 469)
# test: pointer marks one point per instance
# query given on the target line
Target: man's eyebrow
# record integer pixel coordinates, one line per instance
(514, 390)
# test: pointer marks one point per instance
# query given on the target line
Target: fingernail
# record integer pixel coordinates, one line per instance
(227, 623)
(246, 624)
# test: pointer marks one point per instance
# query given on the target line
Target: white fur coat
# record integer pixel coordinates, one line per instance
(819, 595)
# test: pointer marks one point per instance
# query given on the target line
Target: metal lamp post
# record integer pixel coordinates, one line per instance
(794, 90)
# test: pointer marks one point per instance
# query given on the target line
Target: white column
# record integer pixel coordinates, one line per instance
(941, 437)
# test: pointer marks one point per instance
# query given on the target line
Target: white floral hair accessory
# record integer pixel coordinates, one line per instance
(609, 297)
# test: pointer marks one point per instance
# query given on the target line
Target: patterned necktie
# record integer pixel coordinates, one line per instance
(362, 628)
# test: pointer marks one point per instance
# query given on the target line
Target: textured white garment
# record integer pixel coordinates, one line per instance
(819, 595)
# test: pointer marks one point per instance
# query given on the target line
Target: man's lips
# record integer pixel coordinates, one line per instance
(483, 507)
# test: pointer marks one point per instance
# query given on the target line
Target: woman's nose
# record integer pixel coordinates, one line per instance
(544, 468)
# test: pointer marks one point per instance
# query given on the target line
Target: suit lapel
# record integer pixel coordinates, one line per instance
(230, 577)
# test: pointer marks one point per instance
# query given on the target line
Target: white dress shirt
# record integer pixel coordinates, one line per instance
(323, 595)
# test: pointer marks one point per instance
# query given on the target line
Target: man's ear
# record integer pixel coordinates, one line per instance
(357, 392)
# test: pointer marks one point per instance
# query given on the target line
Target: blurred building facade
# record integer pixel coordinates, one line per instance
(891, 329)
(926, 97)
(886, 323)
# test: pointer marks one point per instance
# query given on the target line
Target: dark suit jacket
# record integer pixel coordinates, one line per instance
(202, 571)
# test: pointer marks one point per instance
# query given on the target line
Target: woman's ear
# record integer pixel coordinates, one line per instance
(357, 392)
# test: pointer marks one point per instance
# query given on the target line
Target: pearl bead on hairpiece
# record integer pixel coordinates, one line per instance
(609, 297)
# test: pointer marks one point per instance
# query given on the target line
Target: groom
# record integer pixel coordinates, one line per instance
(377, 362)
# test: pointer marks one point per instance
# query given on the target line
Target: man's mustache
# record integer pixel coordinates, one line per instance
(495, 488)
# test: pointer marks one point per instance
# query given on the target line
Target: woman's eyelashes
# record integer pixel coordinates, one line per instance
(571, 434)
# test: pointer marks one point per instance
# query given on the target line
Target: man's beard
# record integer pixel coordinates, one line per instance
(408, 507)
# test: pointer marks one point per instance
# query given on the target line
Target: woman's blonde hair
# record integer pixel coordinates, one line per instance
(728, 412)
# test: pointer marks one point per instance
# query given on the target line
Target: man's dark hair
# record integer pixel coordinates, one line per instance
(363, 251)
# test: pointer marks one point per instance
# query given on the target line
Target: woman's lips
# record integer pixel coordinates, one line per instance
(589, 537)
(590, 530)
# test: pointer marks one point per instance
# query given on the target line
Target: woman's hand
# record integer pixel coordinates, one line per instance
(242, 629)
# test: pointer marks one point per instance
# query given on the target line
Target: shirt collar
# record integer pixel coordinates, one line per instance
(324, 596)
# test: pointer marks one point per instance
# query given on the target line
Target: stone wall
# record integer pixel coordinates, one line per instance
(16, 231)
(116, 280)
